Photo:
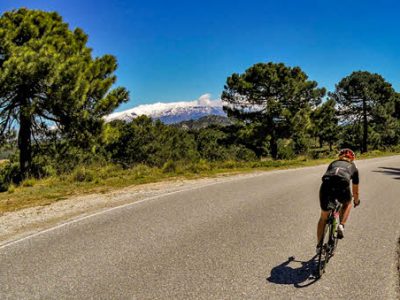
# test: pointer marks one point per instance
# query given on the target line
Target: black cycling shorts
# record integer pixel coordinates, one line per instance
(333, 189)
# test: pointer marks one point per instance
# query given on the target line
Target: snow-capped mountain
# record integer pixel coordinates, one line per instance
(174, 112)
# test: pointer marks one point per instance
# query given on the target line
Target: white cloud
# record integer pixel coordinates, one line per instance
(205, 100)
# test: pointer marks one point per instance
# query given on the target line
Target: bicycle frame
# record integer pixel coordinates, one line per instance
(329, 239)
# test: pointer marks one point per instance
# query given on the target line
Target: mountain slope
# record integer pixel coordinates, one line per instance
(174, 112)
(204, 122)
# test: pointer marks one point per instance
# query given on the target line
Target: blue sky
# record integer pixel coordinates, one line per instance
(179, 50)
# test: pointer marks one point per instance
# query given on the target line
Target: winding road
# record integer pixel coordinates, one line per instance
(244, 238)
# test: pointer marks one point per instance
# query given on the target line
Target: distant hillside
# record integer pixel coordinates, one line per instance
(204, 122)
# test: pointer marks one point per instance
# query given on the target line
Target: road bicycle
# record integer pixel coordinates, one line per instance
(329, 238)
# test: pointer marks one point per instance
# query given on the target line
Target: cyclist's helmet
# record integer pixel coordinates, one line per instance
(347, 153)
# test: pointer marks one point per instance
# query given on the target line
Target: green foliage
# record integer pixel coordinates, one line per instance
(151, 143)
(30, 182)
(325, 123)
(253, 137)
(367, 99)
(170, 166)
(351, 137)
(209, 143)
(176, 145)
(201, 166)
(109, 170)
(9, 173)
(321, 153)
(11, 188)
(8, 144)
(270, 95)
(141, 171)
(241, 153)
(48, 77)
(60, 157)
(47, 74)
(44, 166)
(204, 122)
(301, 124)
(83, 174)
(286, 149)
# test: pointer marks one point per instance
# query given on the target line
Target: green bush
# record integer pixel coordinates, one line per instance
(30, 182)
(241, 153)
(42, 166)
(285, 149)
(198, 167)
(230, 164)
(319, 153)
(140, 171)
(110, 171)
(9, 173)
(82, 174)
(11, 189)
(169, 167)
(4, 186)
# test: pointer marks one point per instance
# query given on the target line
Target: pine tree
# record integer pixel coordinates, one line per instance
(48, 77)
(367, 99)
(325, 121)
(270, 94)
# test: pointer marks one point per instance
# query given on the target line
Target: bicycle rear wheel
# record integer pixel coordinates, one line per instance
(325, 252)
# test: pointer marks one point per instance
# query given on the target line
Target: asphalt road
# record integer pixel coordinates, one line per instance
(230, 240)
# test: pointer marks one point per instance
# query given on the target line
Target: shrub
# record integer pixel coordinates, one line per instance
(30, 182)
(109, 171)
(241, 153)
(82, 174)
(319, 153)
(9, 173)
(169, 167)
(42, 167)
(11, 189)
(285, 149)
(229, 164)
(200, 166)
(141, 170)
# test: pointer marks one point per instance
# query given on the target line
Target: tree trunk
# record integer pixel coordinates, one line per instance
(365, 128)
(24, 140)
(273, 145)
(270, 129)
(274, 148)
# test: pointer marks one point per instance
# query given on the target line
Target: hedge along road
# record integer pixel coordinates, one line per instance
(229, 240)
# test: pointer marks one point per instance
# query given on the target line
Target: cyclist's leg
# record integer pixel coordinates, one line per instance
(345, 198)
(321, 224)
(345, 212)
(324, 196)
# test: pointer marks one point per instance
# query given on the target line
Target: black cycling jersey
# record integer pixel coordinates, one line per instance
(344, 169)
(336, 182)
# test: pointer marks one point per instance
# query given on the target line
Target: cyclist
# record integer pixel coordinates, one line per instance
(336, 185)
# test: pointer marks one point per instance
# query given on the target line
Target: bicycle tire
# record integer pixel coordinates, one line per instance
(331, 243)
(323, 256)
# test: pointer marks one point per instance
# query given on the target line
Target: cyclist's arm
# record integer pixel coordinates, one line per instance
(355, 193)
(355, 182)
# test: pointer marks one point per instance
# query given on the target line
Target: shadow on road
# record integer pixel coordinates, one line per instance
(300, 277)
(390, 171)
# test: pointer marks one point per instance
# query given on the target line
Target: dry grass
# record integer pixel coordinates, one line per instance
(87, 180)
